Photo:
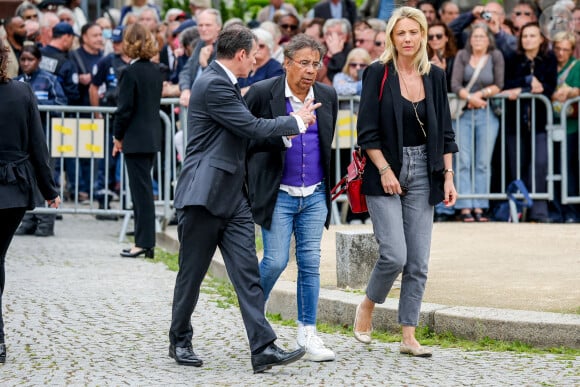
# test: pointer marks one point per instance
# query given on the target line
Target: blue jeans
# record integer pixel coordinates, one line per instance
(402, 227)
(305, 217)
(478, 129)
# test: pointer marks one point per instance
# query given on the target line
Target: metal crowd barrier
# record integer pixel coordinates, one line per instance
(88, 125)
(79, 138)
(560, 136)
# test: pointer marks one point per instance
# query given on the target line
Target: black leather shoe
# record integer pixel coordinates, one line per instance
(184, 356)
(2, 353)
(149, 253)
(272, 356)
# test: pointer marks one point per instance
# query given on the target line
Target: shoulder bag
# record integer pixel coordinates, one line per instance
(352, 182)
(456, 104)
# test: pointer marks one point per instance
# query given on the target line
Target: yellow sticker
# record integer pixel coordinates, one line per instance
(65, 148)
(88, 126)
(93, 148)
(63, 129)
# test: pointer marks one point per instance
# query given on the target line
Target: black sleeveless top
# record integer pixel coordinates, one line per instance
(412, 133)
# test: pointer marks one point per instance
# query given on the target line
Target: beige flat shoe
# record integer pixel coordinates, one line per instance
(416, 351)
(363, 337)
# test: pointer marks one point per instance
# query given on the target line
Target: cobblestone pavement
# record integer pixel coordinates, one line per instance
(78, 314)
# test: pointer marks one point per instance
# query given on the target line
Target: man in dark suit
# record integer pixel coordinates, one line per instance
(212, 204)
(290, 186)
(336, 9)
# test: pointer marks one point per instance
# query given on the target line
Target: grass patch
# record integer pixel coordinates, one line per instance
(228, 298)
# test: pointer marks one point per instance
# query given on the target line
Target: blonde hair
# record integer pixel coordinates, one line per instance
(421, 61)
(358, 52)
(564, 35)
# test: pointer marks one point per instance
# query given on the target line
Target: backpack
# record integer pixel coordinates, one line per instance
(514, 210)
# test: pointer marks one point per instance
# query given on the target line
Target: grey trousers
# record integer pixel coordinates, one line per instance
(403, 226)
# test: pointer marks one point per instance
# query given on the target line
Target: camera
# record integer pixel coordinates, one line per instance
(485, 15)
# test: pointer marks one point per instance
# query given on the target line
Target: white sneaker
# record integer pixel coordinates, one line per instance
(315, 349)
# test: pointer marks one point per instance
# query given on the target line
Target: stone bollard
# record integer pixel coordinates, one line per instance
(356, 254)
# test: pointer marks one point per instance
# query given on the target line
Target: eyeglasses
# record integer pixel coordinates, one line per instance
(292, 27)
(357, 65)
(361, 41)
(306, 64)
(378, 43)
(435, 36)
(520, 13)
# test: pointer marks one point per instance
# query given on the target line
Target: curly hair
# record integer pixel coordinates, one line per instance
(3, 62)
(139, 42)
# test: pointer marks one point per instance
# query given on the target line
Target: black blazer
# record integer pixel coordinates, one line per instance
(219, 127)
(24, 157)
(349, 12)
(137, 120)
(266, 159)
(380, 126)
(518, 73)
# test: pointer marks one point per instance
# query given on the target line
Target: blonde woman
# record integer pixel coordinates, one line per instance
(404, 128)
(349, 81)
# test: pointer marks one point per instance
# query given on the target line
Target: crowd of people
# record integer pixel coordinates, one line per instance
(262, 108)
(79, 62)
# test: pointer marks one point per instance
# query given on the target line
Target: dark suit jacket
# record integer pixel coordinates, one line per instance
(266, 160)
(380, 126)
(349, 12)
(137, 120)
(219, 129)
(24, 157)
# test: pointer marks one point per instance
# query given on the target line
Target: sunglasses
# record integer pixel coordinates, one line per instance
(435, 36)
(520, 13)
(360, 41)
(359, 65)
(292, 27)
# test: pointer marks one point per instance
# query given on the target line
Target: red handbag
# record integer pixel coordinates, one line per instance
(351, 184)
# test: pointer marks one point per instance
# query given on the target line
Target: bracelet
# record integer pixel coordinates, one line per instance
(449, 170)
(384, 169)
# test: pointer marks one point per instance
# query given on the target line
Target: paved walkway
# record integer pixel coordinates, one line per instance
(78, 314)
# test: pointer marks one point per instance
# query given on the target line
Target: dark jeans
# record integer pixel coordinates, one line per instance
(11, 218)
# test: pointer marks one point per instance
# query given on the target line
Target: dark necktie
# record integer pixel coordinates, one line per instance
(237, 86)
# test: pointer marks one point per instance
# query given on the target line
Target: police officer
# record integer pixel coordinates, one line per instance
(56, 60)
(103, 92)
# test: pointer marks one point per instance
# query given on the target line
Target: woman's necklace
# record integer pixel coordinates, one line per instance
(415, 105)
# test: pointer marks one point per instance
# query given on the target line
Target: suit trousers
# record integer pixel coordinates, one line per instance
(11, 218)
(200, 233)
(139, 167)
